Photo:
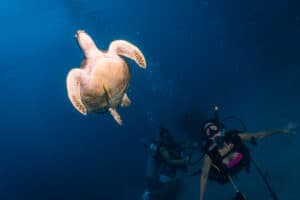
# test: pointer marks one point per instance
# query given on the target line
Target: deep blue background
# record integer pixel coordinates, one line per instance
(240, 55)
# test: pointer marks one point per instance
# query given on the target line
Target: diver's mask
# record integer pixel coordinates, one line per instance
(212, 132)
(218, 140)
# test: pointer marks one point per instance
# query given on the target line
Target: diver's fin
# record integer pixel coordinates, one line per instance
(108, 93)
(115, 115)
(73, 87)
(265, 180)
(239, 196)
(125, 101)
(124, 48)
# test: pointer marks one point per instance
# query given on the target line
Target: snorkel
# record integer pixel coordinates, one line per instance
(219, 122)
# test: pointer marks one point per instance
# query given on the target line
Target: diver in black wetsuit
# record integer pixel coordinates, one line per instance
(226, 154)
(163, 163)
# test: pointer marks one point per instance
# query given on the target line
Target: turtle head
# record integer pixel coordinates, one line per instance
(86, 43)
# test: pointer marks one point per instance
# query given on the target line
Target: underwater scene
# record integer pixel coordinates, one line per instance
(150, 100)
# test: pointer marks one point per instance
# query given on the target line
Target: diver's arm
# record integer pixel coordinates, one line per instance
(261, 134)
(204, 175)
(174, 162)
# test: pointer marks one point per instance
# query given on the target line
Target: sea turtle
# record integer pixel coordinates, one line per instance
(100, 84)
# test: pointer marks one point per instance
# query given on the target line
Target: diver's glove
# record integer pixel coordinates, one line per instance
(291, 128)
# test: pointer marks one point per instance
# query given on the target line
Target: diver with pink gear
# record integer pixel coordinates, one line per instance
(225, 153)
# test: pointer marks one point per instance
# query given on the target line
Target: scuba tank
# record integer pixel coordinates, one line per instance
(151, 165)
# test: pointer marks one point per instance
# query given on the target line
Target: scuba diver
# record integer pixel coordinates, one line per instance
(225, 154)
(166, 156)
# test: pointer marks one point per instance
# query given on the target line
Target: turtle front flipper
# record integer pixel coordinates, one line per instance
(115, 115)
(73, 87)
(124, 48)
(125, 102)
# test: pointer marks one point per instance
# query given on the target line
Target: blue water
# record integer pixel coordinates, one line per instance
(242, 56)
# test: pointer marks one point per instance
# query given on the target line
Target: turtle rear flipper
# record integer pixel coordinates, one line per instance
(115, 115)
(73, 87)
(124, 48)
(125, 102)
